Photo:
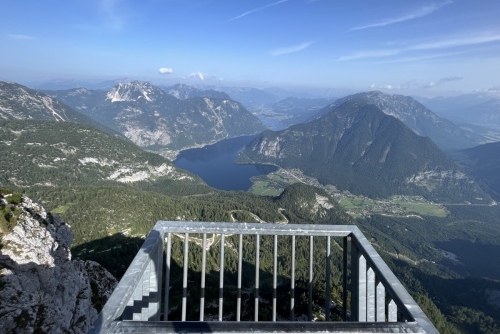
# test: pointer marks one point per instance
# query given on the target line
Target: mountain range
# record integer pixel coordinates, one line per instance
(357, 147)
(112, 191)
(154, 119)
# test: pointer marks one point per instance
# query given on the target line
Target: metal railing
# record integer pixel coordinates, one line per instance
(372, 298)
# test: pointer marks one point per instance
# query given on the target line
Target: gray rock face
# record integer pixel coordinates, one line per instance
(41, 288)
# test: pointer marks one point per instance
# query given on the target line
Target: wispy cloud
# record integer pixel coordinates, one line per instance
(291, 49)
(19, 37)
(447, 43)
(420, 58)
(443, 81)
(420, 12)
(165, 70)
(456, 42)
(109, 9)
(256, 10)
(370, 54)
(387, 87)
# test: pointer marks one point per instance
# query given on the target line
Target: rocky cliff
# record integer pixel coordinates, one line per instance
(42, 290)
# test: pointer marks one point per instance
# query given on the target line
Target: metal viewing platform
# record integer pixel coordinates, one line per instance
(168, 288)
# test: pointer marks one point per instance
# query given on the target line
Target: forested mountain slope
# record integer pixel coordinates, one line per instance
(418, 118)
(63, 153)
(359, 148)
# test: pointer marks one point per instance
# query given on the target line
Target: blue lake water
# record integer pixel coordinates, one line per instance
(214, 164)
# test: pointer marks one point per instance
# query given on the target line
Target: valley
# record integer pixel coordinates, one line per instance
(356, 205)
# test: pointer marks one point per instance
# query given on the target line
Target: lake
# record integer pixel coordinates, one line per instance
(214, 164)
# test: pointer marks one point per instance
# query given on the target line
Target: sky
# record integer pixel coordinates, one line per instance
(408, 47)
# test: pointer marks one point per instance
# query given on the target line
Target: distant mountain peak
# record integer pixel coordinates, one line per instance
(416, 116)
(184, 92)
(133, 91)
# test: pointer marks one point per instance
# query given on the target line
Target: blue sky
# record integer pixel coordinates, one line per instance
(424, 47)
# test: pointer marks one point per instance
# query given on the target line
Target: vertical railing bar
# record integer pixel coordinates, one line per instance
(292, 278)
(203, 265)
(344, 280)
(159, 271)
(257, 264)
(167, 275)
(362, 288)
(392, 312)
(370, 295)
(327, 280)
(184, 276)
(275, 275)
(380, 301)
(310, 285)
(221, 277)
(354, 281)
(238, 298)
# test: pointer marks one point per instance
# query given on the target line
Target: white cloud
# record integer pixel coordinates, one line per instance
(20, 37)
(423, 11)
(256, 10)
(198, 75)
(451, 42)
(495, 89)
(290, 49)
(165, 70)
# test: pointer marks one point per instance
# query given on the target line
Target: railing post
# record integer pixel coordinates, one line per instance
(167, 275)
(221, 277)
(354, 281)
(275, 275)
(184, 276)
(310, 283)
(392, 312)
(344, 279)
(240, 258)
(380, 302)
(292, 282)
(257, 264)
(370, 295)
(362, 288)
(327, 280)
(202, 285)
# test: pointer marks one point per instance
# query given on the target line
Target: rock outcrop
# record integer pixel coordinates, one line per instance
(42, 289)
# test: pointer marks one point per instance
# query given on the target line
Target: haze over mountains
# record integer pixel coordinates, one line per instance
(476, 109)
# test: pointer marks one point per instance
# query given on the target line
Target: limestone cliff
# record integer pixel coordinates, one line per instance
(42, 289)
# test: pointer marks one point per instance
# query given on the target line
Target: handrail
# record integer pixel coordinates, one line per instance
(371, 280)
